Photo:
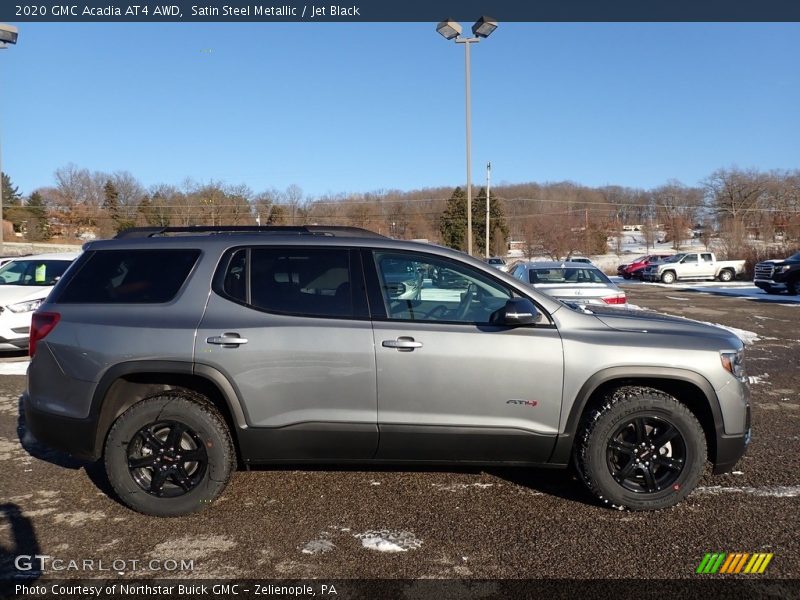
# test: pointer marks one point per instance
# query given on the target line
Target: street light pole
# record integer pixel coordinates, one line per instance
(8, 35)
(488, 188)
(468, 94)
(451, 30)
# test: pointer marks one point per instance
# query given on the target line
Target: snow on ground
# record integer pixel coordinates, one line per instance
(777, 491)
(389, 541)
(739, 289)
(14, 368)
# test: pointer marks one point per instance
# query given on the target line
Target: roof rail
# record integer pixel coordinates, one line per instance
(326, 230)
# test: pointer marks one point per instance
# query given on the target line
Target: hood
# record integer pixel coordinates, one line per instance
(11, 294)
(649, 322)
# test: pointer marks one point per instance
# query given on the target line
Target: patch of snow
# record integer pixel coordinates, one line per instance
(389, 541)
(320, 546)
(776, 491)
(754, 379)
(19, 367)
(460, 486)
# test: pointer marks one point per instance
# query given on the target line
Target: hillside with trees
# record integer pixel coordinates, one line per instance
(740, 209)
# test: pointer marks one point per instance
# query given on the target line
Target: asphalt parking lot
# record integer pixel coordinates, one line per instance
(434, 523)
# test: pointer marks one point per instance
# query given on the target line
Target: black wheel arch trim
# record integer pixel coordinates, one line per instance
(563, 449)
(102, 414)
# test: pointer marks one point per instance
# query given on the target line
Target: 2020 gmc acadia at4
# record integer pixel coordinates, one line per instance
(175, 354)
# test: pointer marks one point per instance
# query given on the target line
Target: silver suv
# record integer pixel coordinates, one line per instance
(176, 354)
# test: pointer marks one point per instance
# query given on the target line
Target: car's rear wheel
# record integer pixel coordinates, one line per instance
(626, 275)
(169, 455)
(641, 449)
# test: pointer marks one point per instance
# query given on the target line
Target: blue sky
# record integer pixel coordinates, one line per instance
(359, 107)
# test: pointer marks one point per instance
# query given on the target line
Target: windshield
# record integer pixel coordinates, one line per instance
(795, 256)
(568, 276)
(33, 272)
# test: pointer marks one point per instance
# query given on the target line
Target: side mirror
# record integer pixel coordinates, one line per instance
(516, 312)
(395, 290)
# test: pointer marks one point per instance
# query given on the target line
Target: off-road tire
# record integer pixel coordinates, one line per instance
(591, 455)
(199, 416)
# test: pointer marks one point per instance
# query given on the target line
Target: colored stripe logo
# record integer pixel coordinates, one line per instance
(734, 563)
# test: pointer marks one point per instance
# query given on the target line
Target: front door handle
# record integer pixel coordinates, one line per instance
(227, 339)
(402, 344)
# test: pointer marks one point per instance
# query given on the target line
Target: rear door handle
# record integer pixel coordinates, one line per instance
(227, 339)
(402, 344)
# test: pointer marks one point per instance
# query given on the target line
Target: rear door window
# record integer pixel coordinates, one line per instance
(313, 282)
(130, 276)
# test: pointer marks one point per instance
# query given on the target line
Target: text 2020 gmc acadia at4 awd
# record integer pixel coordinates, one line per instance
(175, 354)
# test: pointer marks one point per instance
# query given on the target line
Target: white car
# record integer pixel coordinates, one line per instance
(24, 284)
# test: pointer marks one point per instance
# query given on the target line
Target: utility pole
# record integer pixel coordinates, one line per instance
(488, 193)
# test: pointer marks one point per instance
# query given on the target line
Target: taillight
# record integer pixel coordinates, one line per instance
(42, 323)
(615, 299)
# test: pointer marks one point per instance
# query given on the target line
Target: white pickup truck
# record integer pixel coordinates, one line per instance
(693, 265)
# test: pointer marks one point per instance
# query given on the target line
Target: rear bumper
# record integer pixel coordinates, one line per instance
(73, 436)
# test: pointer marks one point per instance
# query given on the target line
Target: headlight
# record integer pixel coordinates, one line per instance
(733, 362)
(28, 306)
(782, 268)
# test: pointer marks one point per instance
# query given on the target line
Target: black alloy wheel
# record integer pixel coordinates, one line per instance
(646, 454)
(167, 459)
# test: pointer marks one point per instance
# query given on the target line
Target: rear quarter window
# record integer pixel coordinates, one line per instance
(129, 276)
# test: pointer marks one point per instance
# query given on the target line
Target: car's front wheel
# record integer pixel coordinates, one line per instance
(668, 277)
(641, 449)
(793, 286)
(169, 455)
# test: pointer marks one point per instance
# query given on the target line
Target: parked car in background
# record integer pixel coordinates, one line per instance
(693, 265)
(403, 280)
(573, 282)
(24, 284)
(634, 269)
(579, 259)
(778, 275)
(497, 263)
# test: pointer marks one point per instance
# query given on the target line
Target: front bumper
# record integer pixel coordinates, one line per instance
(73, 436)
(730, 448)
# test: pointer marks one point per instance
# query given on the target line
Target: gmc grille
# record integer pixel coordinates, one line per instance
(764, 271)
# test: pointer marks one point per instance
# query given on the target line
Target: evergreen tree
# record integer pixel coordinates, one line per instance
(111, 200)
(11, 195)
(38, 227)
(498, 236)
(453, 222)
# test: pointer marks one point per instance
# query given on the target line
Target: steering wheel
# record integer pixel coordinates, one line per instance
(466, 301)
(437, 312)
